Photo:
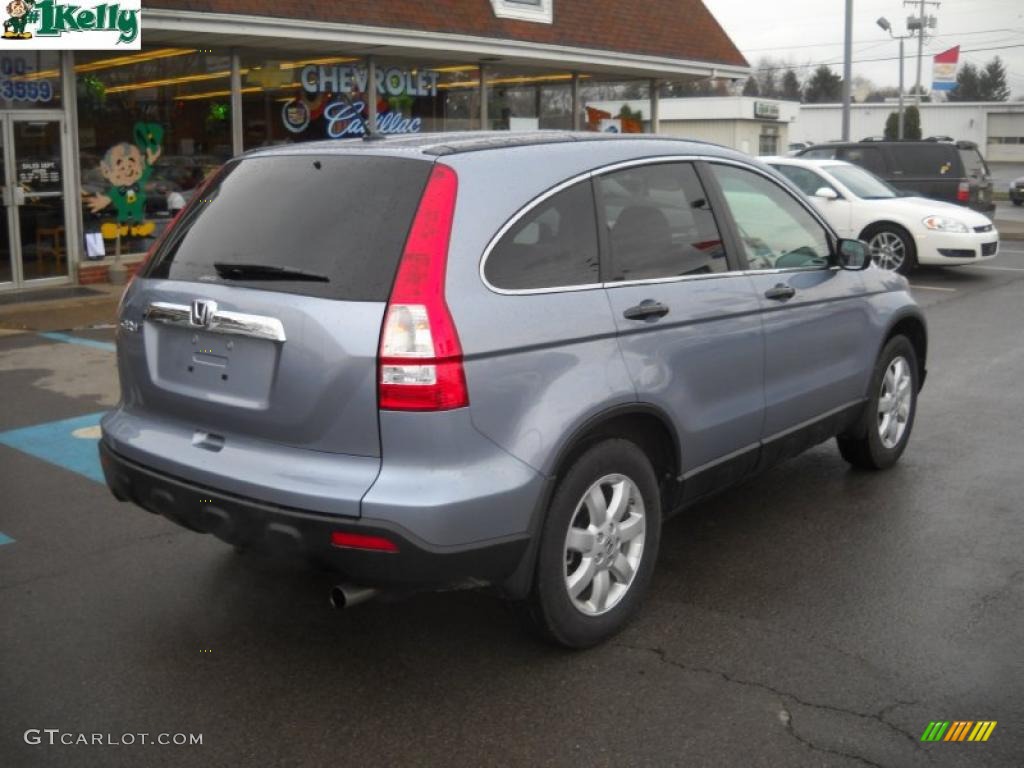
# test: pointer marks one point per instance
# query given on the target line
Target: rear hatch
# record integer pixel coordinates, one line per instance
(980, 178)
(928, 169)
(258, 318)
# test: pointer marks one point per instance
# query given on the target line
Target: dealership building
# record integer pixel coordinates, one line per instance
(101, 148)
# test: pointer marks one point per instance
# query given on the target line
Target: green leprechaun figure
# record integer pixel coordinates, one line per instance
(127, 167)
(19, 14)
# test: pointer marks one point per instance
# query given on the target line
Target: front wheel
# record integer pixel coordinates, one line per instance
(598, 546)
(892, 248)
(878, 439)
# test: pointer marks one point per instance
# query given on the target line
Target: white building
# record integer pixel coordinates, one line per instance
(996, 127)
(751, 125)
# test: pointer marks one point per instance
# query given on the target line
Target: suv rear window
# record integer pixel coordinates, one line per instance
(335, 226)
(927, 160)
(974, 163)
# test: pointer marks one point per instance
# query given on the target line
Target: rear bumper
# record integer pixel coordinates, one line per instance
(306, 535)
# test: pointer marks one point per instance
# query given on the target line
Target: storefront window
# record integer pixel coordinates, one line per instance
(30, 80)
(522, 100)
(595, 95)
(287, 100)
(151, 127)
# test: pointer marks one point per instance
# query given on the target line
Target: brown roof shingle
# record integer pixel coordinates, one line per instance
(677, 29)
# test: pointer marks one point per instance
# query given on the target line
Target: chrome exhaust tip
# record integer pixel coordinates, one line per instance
(350, 595)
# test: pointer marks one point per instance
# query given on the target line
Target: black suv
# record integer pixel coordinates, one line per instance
(942, 170)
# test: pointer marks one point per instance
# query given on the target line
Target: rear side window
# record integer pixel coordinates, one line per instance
(929, 160)
(330, 226)
(869, 158)
(659, 223)
(553, 246)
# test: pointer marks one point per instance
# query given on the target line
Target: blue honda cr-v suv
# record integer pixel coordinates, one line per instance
(473, 359)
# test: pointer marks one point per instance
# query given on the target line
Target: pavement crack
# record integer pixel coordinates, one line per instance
(825, 750)
(788, 696)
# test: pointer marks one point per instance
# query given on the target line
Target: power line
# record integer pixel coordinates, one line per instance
(885, 40)
(885, 58)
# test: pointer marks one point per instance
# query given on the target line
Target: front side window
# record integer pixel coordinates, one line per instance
(864, 185)
(776, 231)
(805, 179)
(659, 223)
(553, 246)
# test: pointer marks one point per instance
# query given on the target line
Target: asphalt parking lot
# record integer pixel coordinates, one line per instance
(815, 616)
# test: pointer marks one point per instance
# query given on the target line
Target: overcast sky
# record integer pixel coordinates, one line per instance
(811, 31)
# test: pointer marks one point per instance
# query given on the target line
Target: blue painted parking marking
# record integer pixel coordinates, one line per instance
(57, 443)
(5, 539)
(67, 338)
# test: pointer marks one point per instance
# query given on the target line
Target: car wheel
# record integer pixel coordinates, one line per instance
(881, 434)
(1018, 203)
(892, 248)
(598, 546)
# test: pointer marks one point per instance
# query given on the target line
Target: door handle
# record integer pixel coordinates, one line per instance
(780, 292)
(648, 309)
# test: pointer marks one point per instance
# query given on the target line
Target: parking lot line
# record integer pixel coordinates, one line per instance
(5, 539)
(997, 269)
(67, 338)
(56, 443)
(932, 288)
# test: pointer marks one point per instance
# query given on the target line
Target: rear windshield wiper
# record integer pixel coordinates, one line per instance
(232, 271)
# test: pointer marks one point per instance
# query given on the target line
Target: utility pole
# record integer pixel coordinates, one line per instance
(921, 23)
(847, 69)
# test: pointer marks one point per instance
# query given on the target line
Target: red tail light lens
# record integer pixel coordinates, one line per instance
(420, 358)
(963, 192)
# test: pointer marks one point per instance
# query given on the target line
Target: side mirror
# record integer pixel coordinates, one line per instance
(827, 193)
(854, 255)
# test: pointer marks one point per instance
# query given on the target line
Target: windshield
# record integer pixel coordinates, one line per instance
(861, 183)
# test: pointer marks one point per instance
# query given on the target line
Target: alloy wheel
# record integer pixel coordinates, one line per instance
(888, 250)
(894, 402)
(604, 544)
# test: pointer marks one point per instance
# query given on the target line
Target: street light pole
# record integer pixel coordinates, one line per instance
(884, 24)
(847, 69)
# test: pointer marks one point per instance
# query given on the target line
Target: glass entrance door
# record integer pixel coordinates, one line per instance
(33, 236)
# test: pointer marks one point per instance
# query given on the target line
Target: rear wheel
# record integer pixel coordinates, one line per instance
(598, 546)
(891, 247)
(881, 435)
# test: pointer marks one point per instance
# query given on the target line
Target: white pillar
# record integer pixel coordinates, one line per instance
(371, 95)
(483, 99)
(576, 125)
(237, 140)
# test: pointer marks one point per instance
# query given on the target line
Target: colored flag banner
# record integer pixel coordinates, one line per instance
(944, 77)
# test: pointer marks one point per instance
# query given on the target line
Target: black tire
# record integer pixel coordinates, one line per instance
(862, 445)
(550, 608)
(1018, 203)
(909, 263)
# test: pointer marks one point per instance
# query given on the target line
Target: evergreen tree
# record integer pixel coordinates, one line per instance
(751, 88)
(790, 86)
(992, 82)
(967, 84)
(912, 124)
(823, 87)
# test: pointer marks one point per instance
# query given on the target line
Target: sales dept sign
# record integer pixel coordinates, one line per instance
(86, 26)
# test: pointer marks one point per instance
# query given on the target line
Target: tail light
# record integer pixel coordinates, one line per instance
(420, 358)
(963, 192)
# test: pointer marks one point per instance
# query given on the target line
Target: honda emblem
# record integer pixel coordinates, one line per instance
(202, 313)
